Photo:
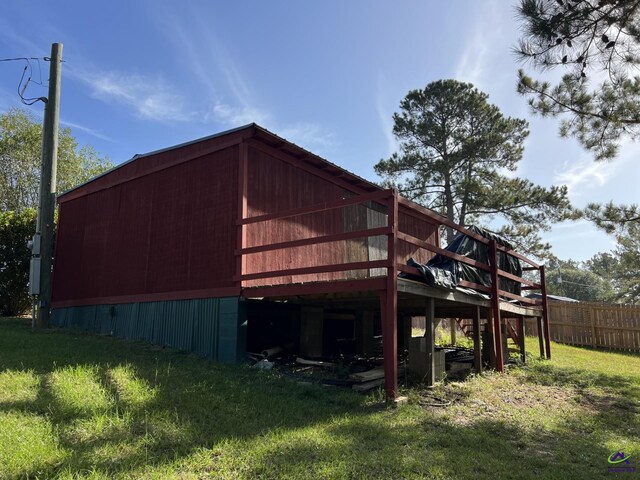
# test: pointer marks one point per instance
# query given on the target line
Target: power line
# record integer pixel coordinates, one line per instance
(23, 88)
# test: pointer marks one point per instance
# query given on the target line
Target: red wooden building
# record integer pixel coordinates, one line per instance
(187, 246)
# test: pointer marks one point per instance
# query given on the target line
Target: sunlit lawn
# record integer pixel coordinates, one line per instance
(76, 406)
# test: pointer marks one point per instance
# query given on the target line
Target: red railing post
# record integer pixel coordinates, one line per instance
(495, 305)
(389, 304)
(545, 312)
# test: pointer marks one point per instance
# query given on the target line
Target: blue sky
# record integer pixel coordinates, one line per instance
(139, 76)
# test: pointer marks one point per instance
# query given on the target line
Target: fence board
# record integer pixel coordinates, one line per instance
(593, 324)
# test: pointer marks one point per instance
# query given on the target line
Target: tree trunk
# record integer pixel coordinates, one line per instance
(449, 207)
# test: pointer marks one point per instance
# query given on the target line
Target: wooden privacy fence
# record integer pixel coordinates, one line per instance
(593, 324)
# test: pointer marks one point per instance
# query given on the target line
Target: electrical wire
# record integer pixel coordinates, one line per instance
(23, 88)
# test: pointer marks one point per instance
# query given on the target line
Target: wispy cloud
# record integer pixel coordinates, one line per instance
(235, 116)
(584, 173)
(473, 63)
(308, 135)
(384, 111)
(224, 85)
(149, 97)
(87, 130)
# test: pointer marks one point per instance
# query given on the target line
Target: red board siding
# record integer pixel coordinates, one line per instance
(169, 231)
(151, 163)
(422, 229)
(275, 186)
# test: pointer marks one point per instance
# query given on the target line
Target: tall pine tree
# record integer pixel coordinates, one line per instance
(457, 156)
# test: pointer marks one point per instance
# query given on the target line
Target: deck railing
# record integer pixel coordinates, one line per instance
(395, 207)
(406, 207)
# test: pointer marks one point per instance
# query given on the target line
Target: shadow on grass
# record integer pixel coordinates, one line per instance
(436, 449)
(158, 409)
(180, 403)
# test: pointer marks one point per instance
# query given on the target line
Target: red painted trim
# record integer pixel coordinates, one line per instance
(319, 269)
(319, 207)
(366, 285)
(433, 248)
(315, 240)
(513, 253)
(442, 220)
(298, 163)
(495, 305)
(389, 305)
(541, 336)
(510, 276)
(81, 192)
(151, 297)
(405, 210)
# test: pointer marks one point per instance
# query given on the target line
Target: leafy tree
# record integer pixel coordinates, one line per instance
(598, 44)
(20, 160)
(456, 155)
(15, 230)
(574, 280)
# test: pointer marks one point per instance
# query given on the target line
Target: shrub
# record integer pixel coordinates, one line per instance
(16, 229)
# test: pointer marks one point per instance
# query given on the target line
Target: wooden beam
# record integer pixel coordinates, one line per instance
(452, 328)
(317, 288)
(320, 207)
(541, 336)
(477, 347)
(340, 267)
(389, 318)
(434, 248)
(495, 305)
(545, 313)
(520, 328)
(315, 240)
(430, 335)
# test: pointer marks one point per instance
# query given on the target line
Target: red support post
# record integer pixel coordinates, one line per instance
(545, 313)
(389, 306)
(495, 305)
(241, 230)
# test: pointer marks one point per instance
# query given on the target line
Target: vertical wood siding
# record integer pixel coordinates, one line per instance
(169, 231)
(276, 186)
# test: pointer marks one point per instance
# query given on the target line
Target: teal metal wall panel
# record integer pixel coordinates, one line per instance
(211, 327)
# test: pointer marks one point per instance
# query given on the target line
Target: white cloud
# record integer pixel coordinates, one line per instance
(472, 65)
(149, 97)
(311, 136)
(88, 130)
(586, 173)
(234, 116)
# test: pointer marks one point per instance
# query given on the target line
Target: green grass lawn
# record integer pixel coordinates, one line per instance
(80, 406)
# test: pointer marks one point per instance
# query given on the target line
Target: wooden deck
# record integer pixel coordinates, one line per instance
(378, 286)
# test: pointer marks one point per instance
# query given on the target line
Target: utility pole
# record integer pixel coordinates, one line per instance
(43, 239)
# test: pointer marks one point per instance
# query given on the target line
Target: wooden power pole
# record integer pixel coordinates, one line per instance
(44, 237)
